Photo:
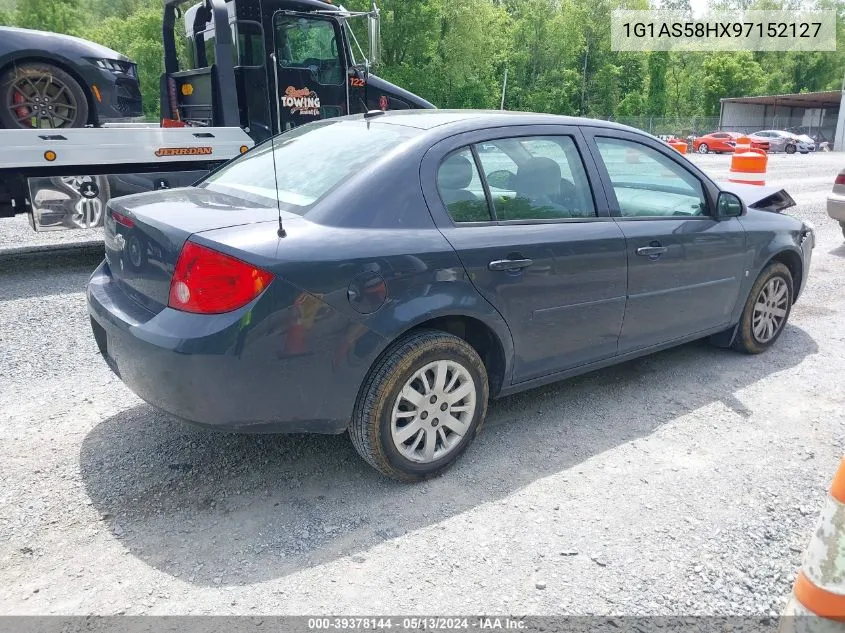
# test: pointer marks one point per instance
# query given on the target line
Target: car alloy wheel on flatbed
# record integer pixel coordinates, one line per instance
(41, 96)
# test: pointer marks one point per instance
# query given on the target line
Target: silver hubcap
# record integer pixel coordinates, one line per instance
(433, 411)
(770, 310)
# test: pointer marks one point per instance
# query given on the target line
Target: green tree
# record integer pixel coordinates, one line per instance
(730, 75)
(61, 16)
(657, 63)
(139, 38)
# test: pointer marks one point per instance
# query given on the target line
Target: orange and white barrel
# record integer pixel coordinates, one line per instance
(743, 144)
(680, 146)
(818, 596)
(748, 166)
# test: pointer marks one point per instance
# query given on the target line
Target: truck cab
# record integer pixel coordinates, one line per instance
(269, 65)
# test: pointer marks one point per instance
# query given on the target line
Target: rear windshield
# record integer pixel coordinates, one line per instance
(310, 161)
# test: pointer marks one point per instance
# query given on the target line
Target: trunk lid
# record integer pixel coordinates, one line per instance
(144, 235)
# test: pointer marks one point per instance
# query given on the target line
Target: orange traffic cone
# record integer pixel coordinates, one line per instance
(680, 146)
(748, 165)
(819, 591)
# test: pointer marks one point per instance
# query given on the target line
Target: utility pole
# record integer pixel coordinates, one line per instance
(839, 136)
(584, 78)
(504, 87)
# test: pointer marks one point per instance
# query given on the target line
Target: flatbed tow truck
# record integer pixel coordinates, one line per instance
(246, 70)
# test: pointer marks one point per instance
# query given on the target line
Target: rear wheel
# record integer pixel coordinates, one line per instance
(842, 226)
(420, 406)
(766, 310)
(42, 96)
(703, 149)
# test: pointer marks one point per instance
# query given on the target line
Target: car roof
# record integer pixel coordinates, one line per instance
(429, 119)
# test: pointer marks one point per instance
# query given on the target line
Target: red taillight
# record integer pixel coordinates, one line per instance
(208, 282)
(840, 180)
(123, 220)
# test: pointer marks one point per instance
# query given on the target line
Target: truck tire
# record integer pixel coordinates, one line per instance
(42, 96)
(420, 406)
(766, 310)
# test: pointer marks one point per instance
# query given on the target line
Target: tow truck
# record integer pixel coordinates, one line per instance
(245, 71)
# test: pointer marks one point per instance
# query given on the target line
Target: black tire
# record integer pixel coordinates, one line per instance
(842, 226)
(69, 103)
(790, 149)
(703, 149)
(370, 427)
(746, 340)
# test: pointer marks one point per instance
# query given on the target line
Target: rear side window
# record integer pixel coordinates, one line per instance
(460, 188)
(536, 178)
(649, 184)
(301, 166)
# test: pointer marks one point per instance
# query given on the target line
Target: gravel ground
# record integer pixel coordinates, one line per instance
(682, 483)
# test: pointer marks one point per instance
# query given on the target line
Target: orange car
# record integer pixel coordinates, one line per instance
(719, 142)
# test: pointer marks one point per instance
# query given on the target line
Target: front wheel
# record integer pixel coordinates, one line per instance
(703, 149)
(421, 405)
(790, 149)
(766, 310)
(42, 96)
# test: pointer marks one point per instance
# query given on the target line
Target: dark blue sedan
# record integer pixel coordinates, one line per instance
(388, 274)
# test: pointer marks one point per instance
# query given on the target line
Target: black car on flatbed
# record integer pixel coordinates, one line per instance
(48, 80)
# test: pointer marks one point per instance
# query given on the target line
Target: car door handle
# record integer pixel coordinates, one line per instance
(652, 251)
(509, 264)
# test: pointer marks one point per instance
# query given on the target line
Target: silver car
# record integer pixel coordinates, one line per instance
(836, 201)
(781, 141)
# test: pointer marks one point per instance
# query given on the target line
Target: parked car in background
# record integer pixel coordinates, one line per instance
(781, 141)
(723, 142)
(717, 142)
(813, 135)
(836, 201)
(49, 80)
(377, 274)
(807, 140)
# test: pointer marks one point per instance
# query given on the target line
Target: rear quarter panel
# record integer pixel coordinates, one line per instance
(359, 288)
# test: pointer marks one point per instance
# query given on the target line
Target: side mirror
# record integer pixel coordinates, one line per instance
(728, 205)
(374, 33)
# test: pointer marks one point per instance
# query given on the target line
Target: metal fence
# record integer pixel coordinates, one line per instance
(678, 126)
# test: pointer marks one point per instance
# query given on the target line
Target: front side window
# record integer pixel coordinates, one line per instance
(309, 43)
(536, 178)
(460, 188)
(310, 161)
(647, 183)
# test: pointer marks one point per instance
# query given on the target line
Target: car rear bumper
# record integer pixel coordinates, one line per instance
(836, 206)
(216, 370)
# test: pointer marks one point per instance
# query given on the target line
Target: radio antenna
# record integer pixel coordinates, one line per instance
(281, 231)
